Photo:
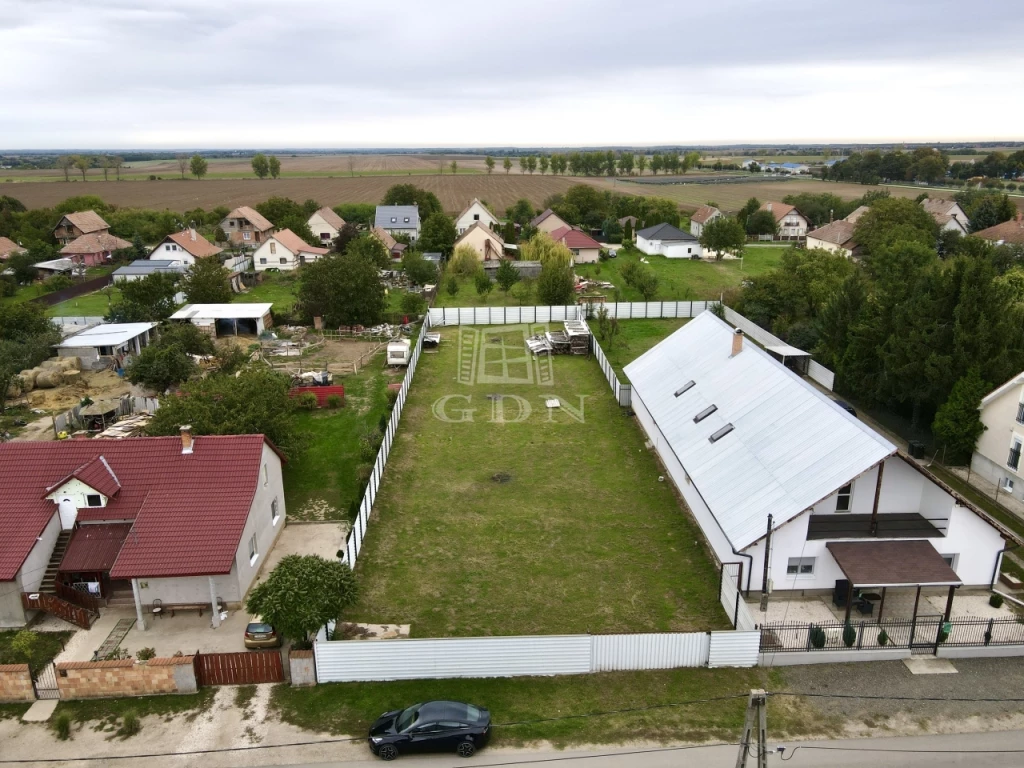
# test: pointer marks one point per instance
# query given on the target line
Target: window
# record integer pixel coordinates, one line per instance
(284, 260)
(263, 261)
(231, 223)
(93, 500)
(245, 235)
(715, 437)
(253, 551)
(685, 388)
(394, 219)
(704, 414)
(951, 560)
(800, 566)
(273, 248)
(266, 475)
(843, 498)
(274, 514)
(325, 236)
(1013, 460)
(476, 217)
(406, 219)
(1007, 485)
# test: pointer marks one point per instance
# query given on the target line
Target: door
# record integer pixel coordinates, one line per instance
(45, 683)
(428, 737)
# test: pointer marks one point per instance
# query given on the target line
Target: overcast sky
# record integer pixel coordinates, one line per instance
(101, 74)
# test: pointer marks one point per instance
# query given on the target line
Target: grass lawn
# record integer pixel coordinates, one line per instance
(349, 708)
(278, 288)
(93, 304)
(324, 477)
(47, 645)
(504, 525)
(107, 712)
(635, 337)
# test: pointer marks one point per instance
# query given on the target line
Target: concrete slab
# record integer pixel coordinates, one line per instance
(929, 666)
(321, 538)
(40, 711)
(188, 632)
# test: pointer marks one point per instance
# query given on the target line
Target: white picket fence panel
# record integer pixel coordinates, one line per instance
(623, 392)
(359, 660)
(734, 648)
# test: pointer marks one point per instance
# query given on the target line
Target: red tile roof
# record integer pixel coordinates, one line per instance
(8, 247)
(702, 214)
(86, 221)
(296, 244)
(778, 210)
(94, 547)
(192, 242)
(1011, 231)
(94, 242)
(330, 217)
(189, 510)
(574, 238)
(98, 475)
(257, 219)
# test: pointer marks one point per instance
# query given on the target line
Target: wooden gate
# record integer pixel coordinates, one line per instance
(244, 668)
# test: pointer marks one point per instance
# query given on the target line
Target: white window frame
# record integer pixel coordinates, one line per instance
(275, 513)
(801, 567)
(266, 474)
(254, 550)
(245, 236)
(952, 559)
(96, 496)
(849, 498)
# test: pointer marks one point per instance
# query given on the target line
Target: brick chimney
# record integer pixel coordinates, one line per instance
(737, 342)
(768, 207)
(186, 439)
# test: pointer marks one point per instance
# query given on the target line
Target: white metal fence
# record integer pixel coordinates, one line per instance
(623, 392)
(354, 542)
(359, 660)
(732, 598)
(623, 310)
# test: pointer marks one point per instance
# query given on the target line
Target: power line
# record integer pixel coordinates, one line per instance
(875, 697)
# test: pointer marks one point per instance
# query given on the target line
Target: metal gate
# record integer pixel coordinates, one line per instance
(45, 683)
(924, 635)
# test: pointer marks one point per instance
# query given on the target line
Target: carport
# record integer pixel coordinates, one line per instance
(227, 319)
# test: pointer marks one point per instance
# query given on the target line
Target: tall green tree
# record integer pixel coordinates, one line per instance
(207, 282)
(346, 235)
(274, 166)
(410, 194)
(437, 234)
(506, 163)
(749, 207)
(507, 275)
(895, 220)
(260, 165)
(762, 223)
(198, 166)
(489, 162)
(556, 284)
(957, 424)
(160, 367)
(83, 163)
(344, 290)
(149, 299)
(724, 235)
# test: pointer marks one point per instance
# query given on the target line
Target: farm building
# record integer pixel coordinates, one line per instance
(96, 347)
(8, 248)
(150, 519)
(141, 268)
(227, 319)
(186, 247)
(701, 217)
(666, 240)
(93, 249)
(548, 221)
(325, 225)
(585, 249)
(780, 472)
(836, 237)
(790, 221)
(398, 220)
(475, 212)
(488, 245)
(244, 226)
(284, 250)
(55, 266)
(73, 225)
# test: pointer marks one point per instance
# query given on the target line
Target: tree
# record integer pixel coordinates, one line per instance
(410, 194)
(149, 299)
(454, 165)
(452, 286)
(66, 163)
(894, 220)
(260, 165)
(957, 425)
(198, 166)
(302, 594)
(544, 163)
(507, 275)
(117, 163)
(22, 264)
(762, 223)
(556, 284)
(83, 163)
(542, 248)
(183, 162)
(417, 269)
(749, 207)
(483, 283)
(207, 282)
(690, 160)
(657, 163)
(531, 164)
(371, 248)
(105, 165)
(437, 235)
(626, 164)
(724, 235)
(344, 290)
(346, 235)
(627, 231)
(521, 212)
(641, 164)
(489, 162)
(161, 366)
(507, 165)
(191, 338)
(274, 166)
(255, 402)
(522, 164)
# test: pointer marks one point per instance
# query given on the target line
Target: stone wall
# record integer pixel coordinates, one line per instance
(109, 679)
(303, 668)
(15, 684)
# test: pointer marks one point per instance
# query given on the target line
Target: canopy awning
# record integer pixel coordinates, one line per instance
(784, 350)
(913, 563)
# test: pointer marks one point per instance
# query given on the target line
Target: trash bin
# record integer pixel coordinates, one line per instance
(916, 449)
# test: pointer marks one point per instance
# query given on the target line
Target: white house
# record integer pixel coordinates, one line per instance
(227, 319)
(666, 240)
(284, 250)
(585, 249)
(774, 469)
(997, 455)
(548, 221)
(836, 236)
(947, 214)
(791, 222)
(325, 225)
(184, 247)
(149, 518)
(701, 217)
(476, 212)
(399, 220)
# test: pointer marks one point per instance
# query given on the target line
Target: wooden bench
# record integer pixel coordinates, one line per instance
(186, 607)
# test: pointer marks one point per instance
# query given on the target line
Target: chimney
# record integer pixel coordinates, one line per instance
(768, 207)
(737, 342)
(186, 439)
(192, 234)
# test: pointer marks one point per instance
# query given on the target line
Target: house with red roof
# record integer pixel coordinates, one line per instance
(585, 249)
(548, 221)
(184, 247)
(792, 224)
(165, 520)
(284, 250)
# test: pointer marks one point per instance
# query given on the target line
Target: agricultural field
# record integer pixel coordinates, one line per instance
(538, 521)
(455, 192)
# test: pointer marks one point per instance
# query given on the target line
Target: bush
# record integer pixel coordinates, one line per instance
(996, 601)
(817, 636)
(413, 304)
(483, 283)
(849, 635)
(464, 262)
(452, 286)
(152, 177)
(369, 444)
(57, 283)
(307, 401)
(130, 724)
(334, 402)
(62, 726)
(883, 638)
(145, 654)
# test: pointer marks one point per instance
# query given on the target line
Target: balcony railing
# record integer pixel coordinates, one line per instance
(1020, 413)
(903, 525)
(1013, 460)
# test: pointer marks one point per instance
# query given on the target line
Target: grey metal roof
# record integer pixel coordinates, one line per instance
(790, 446)
(433, 256)
(150, 266)
(397, 217)
(664, 232)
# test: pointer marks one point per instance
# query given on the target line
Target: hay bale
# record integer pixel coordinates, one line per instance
(72, 377)
(13, 390)
(27, 380)
(68, 364)
(49, 379)
(50, 364)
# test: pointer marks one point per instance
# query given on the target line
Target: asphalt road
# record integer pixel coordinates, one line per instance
(978, 750)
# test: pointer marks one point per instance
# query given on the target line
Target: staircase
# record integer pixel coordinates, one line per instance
(49, 584)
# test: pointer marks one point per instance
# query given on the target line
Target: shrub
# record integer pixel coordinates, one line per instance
(883, 638)
(483, 283)
(62, 726)
(464, 262)
(369, 444)
(452, 286)
(152, 177)
(413, 304)
(817, 636)
(996, 601)
(57, 283)
(307, 401)
(849, 635)
(392, 398)
(334, 402)
(363, 472)
(130, 724)
(145, 654)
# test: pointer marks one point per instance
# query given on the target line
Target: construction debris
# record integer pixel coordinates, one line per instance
(574, 340)
(130, 426)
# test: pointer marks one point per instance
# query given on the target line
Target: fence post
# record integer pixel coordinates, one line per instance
(736, 610)
(860, 637)
(988, 633)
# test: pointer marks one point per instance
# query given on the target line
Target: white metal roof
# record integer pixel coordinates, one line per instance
(790, 446)
(221, 311)
(785, 350)
(108, 335)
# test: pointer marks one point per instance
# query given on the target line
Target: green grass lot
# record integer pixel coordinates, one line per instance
(105, 714)
(324, 475)
(278, 288)
(93, 304)
(527, 524)
(635, 337)
(349, 708)
(47, 645)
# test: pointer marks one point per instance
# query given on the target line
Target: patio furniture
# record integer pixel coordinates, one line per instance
(841, 593)
(864, 607)
(200, 607)
(157, 608)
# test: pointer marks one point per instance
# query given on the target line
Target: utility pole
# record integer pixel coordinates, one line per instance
(757, 717)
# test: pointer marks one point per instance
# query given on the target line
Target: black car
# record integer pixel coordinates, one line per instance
(436, 726)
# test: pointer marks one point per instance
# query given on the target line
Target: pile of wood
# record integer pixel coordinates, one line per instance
(579, 337)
